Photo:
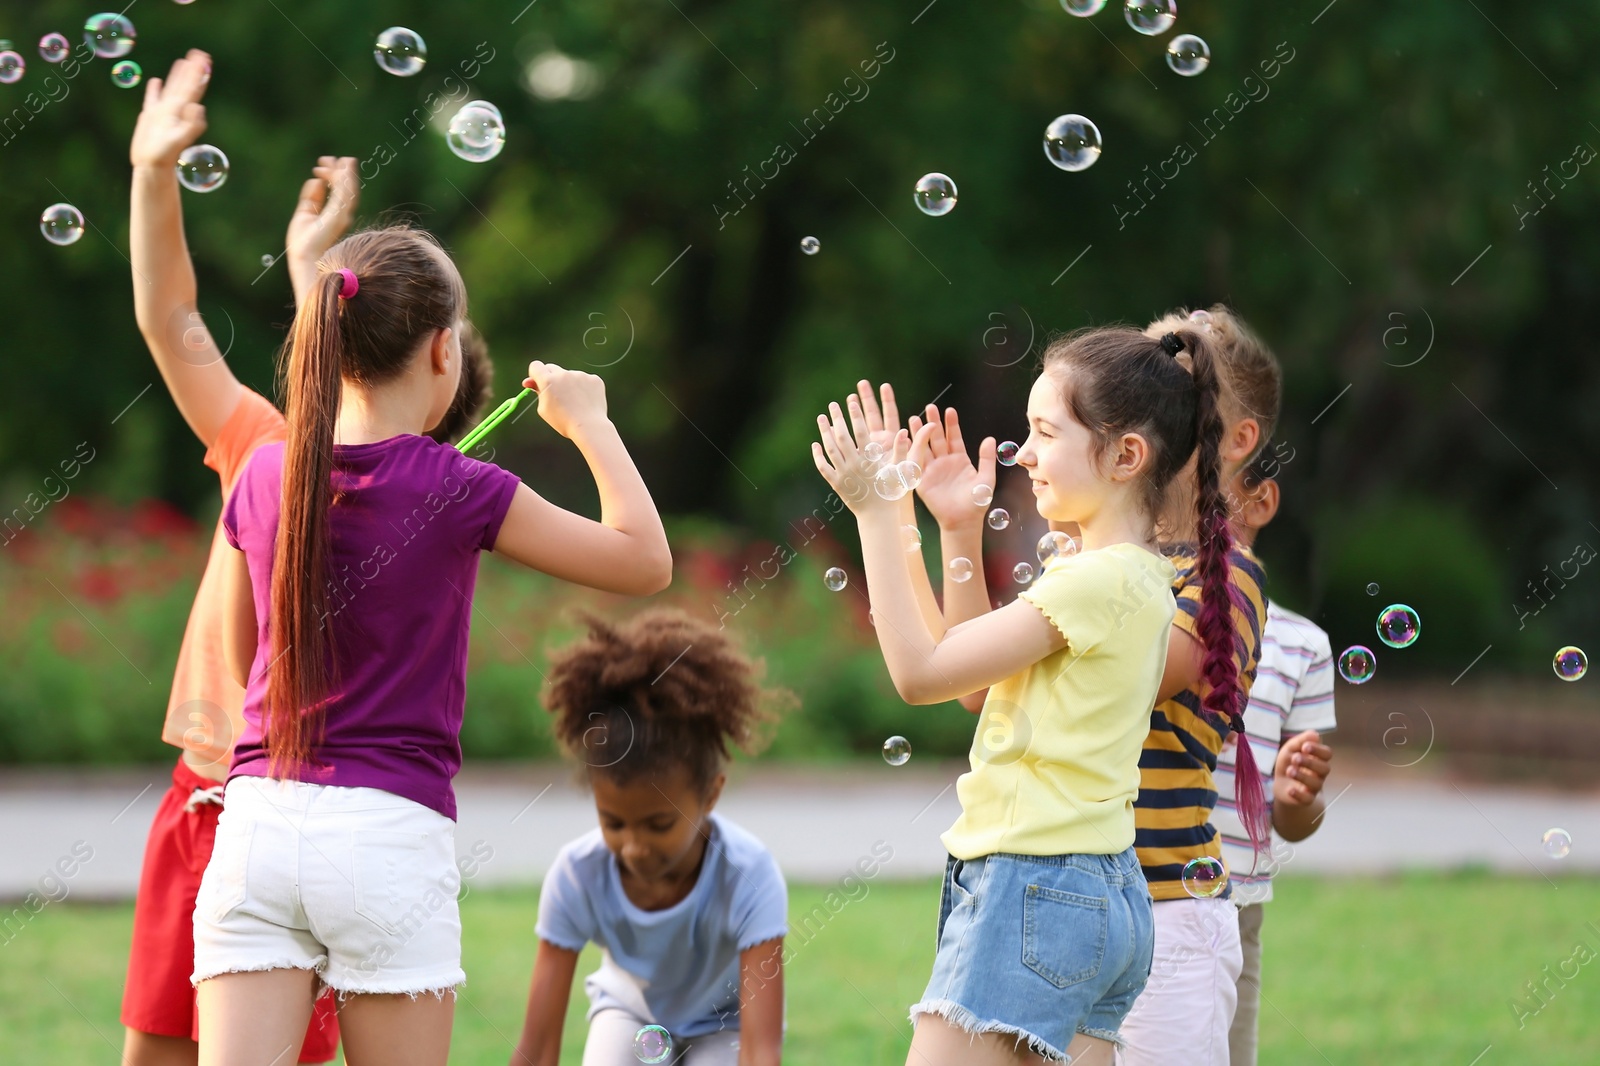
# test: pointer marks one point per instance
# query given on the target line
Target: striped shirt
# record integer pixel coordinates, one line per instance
(1293, 692)
(1176, 790)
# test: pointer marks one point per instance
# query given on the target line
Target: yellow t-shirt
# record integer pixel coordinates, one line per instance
(1055, 762)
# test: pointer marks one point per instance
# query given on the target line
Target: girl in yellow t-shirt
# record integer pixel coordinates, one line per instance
(1045, 927)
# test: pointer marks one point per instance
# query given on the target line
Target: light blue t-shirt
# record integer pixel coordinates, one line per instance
(677, 967)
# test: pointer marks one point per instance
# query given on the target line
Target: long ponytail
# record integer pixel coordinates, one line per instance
(301, 646)
(1223, 696)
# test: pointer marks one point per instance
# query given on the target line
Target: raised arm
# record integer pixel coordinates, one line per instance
(173, 118)
(626, 551)
(540, 1044)
(324, 212)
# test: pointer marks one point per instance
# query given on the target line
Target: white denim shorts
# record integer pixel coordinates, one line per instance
(357, 884)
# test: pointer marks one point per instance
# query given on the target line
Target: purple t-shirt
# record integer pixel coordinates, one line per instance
(405, 537)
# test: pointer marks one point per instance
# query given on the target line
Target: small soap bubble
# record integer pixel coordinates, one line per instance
(1399, 626)
(1188, 55)
(1072, 142)
(1571, 664)
(477, 132)
(61, 224)
(1204, 878)
(202, 168)
(889, 484)
(910, 474)
(1357, 664)
(810, 245)
(652, 1044)
(935, 194)
(1150, 17)
(267, 261)
(1372, 588)
(836, 579)
(999, 518)
(1083, 8)
(982, 495)
(110, 35)
(126, 74)
(400, 51)
(1007, 453)
(960, 569)
(873, 452)
(1055, 543)
(54, 47)
(1201, 319)
(897, 751)
(1022, 573)
(12, 67)
(1557, 843)
(913, 538)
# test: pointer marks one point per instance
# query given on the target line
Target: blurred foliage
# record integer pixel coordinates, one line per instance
(1371, 202)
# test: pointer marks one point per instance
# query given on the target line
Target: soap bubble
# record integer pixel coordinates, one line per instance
(913, 538)
(652, 1044)
(1150, 17)
(400, 51)
(1083, 8)
(897, 751)
(1022, 573)
(810, 245)
(1204, 878)
(1188, 55)
(61, 224)
(836, 579)
(202, 168)
(1201, 318)
(1357, 664)
(960, 569)
(12, 67)
(1557, 843)
(935, 194)
(1399, 626)
(54, 47)
(1072, 142)
(1372, 588)
(910, 474)
(110, 35)
(1055, 543)
(267, 261)
(873, 452)
(982, 495)
(126, 74)
(1007, 453)
(477, 132)
(999, 518)
(1571, 663)
(889, 484)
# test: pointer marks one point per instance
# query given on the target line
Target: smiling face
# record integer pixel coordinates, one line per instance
(1060, 454)
(655, 824)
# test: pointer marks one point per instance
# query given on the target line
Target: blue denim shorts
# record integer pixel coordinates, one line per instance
(1041, 947)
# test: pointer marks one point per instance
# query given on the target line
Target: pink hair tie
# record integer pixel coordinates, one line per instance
(350, 285)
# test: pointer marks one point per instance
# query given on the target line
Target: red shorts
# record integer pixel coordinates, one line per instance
(158, 997)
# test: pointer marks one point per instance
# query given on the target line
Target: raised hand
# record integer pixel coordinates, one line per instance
(569, 400)
(173, 117)
(948, 476)
(326, 208)
(840, 456)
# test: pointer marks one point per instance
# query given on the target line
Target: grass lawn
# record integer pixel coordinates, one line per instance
(1419, 969)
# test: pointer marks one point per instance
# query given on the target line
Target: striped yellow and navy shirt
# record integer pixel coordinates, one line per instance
(1176, 790)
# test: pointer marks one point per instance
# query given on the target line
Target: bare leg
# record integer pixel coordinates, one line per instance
(254, 1019)
(396, 1030)
(938, 1042)
(1091, 1051)
(148, 1049)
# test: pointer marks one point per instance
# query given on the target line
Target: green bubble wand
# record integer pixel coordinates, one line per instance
(497, 416)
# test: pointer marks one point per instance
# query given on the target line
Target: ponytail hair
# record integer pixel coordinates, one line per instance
(408, 288)
(1167, 390)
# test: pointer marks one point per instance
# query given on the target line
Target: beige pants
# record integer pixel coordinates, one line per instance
(1242, 1036)
(610, 1043)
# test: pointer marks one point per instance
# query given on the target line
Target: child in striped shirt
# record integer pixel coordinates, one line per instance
(1290, 712)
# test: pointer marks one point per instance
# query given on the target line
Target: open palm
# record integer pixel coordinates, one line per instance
(173, 117)
(949, 478)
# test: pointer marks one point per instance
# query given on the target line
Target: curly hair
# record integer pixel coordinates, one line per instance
(658, 692)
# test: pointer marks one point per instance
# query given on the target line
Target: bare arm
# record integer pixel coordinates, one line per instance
(240, 631)
(626, 551)
(761, 1004)
(1298, 777)
(173, 118)
(1185, 656)
(540, 1044)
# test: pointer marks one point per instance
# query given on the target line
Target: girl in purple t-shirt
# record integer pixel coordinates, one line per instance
(350, 597)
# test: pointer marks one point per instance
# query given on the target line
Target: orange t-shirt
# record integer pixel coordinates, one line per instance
(204, 711)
